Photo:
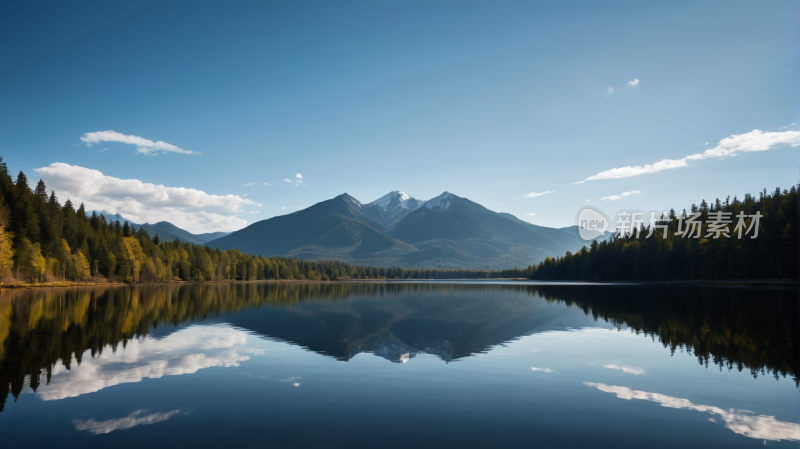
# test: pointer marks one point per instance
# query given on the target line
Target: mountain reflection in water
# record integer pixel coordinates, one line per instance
(67, 342)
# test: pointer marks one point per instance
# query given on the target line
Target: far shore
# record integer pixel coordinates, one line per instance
(731, 282)
(21, 285)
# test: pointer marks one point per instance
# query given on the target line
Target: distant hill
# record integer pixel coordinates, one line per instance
(396, 230)
(166, 230)
(557, 235)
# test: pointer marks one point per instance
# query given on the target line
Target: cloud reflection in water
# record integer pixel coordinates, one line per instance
(134, 419)
(743, 422)
(627, 369)
(182, 352)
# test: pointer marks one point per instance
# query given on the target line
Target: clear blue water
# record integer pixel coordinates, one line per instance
(398, 365)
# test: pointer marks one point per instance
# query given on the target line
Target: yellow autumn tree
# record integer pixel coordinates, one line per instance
(133, 256)
(82, 270)
(65, 262)
(148, 271)
(53, 269)
(6, 253)
(161, 270)
(30, 260)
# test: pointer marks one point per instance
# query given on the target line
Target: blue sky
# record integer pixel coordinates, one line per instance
(488, 100)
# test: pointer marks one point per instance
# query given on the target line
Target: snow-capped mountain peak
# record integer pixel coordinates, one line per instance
(396, 201)
(392, 205)
(395, 196)
(441, 202)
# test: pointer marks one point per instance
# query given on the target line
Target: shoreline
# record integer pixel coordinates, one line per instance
(732, 282)
(729, 282)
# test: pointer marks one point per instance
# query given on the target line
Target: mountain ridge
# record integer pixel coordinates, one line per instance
(446, 231)
(166, 231)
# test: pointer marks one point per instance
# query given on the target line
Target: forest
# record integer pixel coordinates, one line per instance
(42, 240)
(773, 254)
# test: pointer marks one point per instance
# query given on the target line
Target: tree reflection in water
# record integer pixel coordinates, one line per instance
(732, 328)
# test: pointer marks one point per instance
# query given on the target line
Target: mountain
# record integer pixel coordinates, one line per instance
(451, 217)
(391, 208)
(166, 230)
(333, 229)
(396, 230)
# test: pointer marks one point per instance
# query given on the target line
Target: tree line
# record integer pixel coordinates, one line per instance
(773, 254)
(42, 240)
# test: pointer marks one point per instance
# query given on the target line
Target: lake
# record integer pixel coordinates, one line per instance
(427, 364)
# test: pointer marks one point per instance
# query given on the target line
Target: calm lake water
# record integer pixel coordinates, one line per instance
(399, 365)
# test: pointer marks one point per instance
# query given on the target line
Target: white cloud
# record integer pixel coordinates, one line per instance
(627, 369)
(297, 181)
(610, 91)
(134, 419)
(531, 214)
(535, 194)
(190, 209)
(625, 172)
(143, 145)
(742, 422)
(544, 370)
(755, 140)
(616, 197)
(267, 184)
(634, 82)
(249, 184)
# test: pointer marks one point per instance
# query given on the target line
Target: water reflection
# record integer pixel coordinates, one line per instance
(136, 418)
(71, 339)
(183, 352)
(743, 422)
(627, 369)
